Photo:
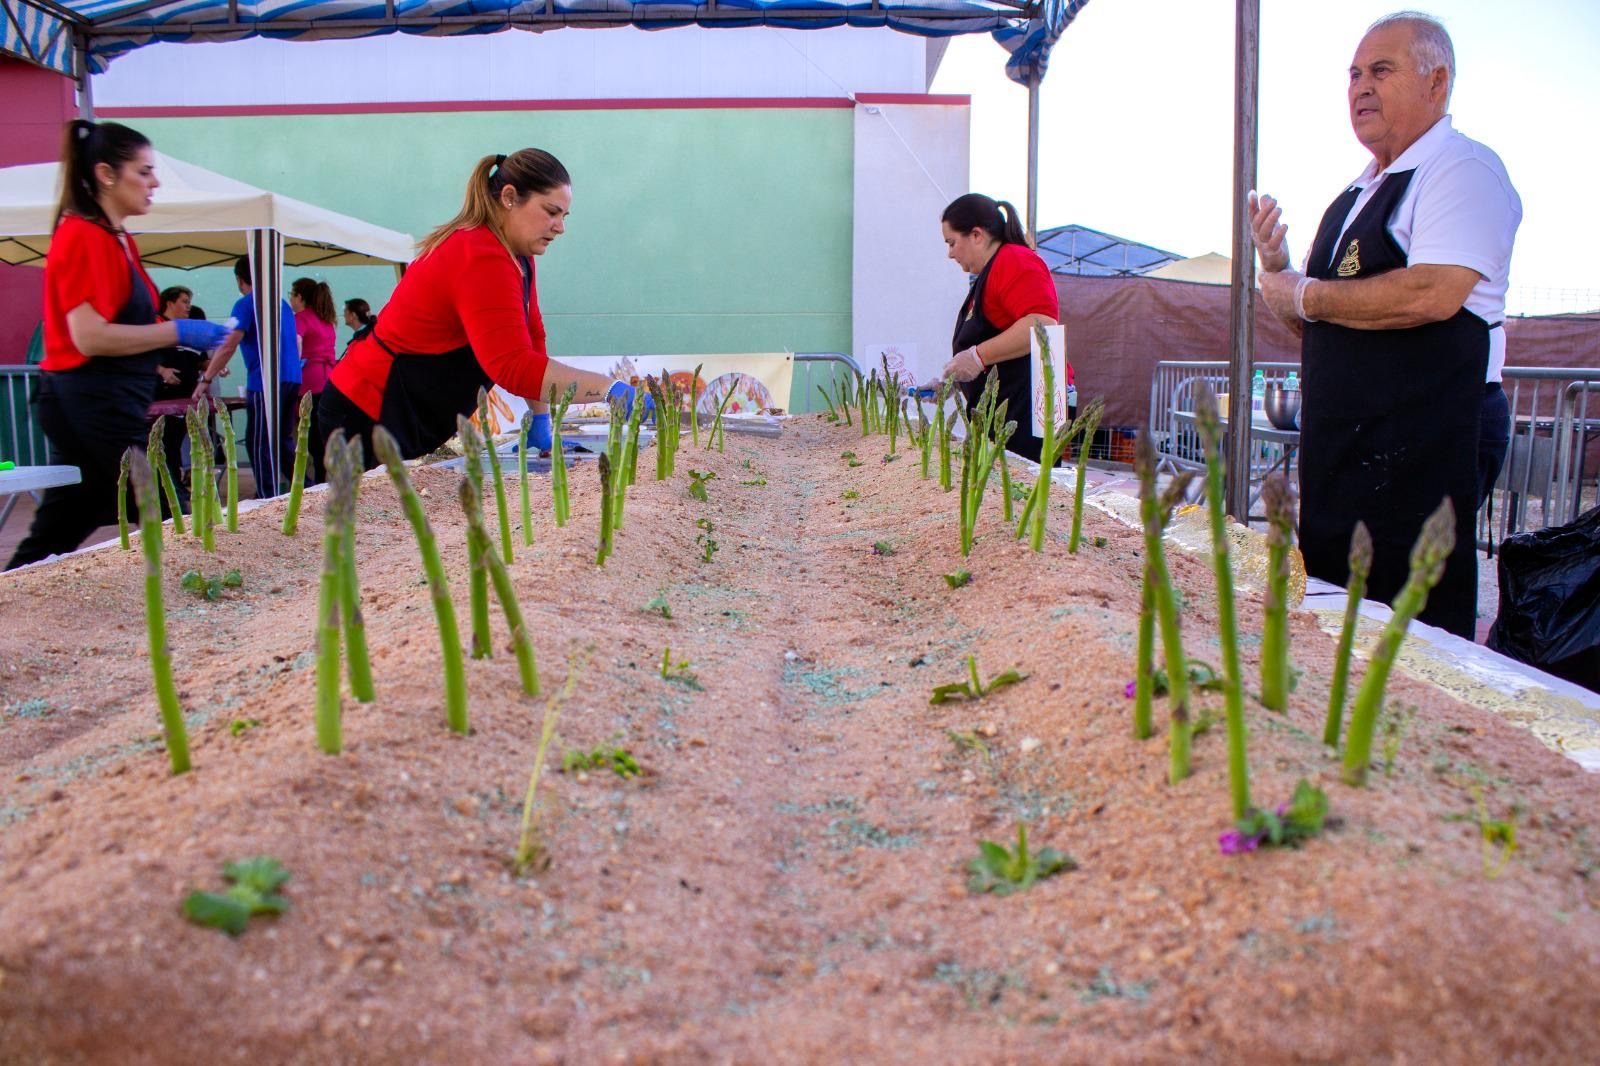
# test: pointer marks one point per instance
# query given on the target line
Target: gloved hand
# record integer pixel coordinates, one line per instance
(965, 366)
(625, 392)
(199, 334)
(539, 439)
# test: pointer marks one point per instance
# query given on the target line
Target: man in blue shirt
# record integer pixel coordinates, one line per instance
(268, 467)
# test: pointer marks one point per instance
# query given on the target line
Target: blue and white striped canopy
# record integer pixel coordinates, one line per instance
(50, 32)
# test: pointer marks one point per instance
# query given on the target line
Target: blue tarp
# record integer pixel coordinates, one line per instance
(46, 31)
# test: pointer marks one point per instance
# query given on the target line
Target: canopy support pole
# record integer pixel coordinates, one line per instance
(1033, 163)
(80, 45)
(1242, 306)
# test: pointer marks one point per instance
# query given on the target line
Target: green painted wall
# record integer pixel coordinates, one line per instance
(692, 230)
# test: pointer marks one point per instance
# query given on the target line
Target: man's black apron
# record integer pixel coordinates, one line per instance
(425, 393)
(91, 415)
(1016, 375)
(1389, 425)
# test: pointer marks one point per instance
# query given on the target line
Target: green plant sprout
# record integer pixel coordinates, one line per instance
(530, 854)
(1394, 725)
(660, 605)
(987, 434)
(956, 579)
(677, 671)
(882, 547)
(1428, 557)
(1050, 450)
(708, 546)
(1360, 567)
(972, 688)
(210, 588)
(1083, 427)
(297, 481)
(479, 542)
(850, 494)
(605, 510)
(833, 413)
(1153, 511)
(941, 431)
(697, 483)
(1208, 419)
(230, 454)
(1100, 542)
(630, 458)
(618, 760)
(1498, 839)
(501, 507)
(1004, 872)
(1300, 819)
(694, 406)
(477, 572)
(850, 458)
(864, 404)
(122, 502)
(1278, 502)
(669, 423)
(455, 680)
(199, 494)
(890, 388)
(717, 431)
(330, 598)
(923, 439)
(240, 726)
(155, 612)
(156, 451)
(558, 458)
(253, 890)
(355, 626)
(842, 397)
(527, 500)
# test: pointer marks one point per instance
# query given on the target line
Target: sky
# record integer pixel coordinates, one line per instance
(1136, 122)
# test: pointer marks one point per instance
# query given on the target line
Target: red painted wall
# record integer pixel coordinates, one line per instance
(37, 104)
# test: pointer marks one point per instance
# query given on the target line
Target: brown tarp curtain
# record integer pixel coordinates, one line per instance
(1118, 329)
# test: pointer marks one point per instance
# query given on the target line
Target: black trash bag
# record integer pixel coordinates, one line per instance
(1550, 600)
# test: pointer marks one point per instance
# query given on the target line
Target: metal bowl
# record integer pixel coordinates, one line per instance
(1283, 407)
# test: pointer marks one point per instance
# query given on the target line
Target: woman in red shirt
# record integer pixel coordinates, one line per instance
(101, 338)
(465, 316)
(1012, 290)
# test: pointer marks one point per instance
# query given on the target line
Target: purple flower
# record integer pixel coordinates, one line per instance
(1128, 689)
(1234, 842)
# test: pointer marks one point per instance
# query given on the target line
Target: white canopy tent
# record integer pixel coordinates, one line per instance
(203, 219)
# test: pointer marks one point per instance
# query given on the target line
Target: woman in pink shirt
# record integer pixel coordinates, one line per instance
(313, 324)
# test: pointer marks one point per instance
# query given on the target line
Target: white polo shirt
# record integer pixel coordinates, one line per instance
(1459, 210)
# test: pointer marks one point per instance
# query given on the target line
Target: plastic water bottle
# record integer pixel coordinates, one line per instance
(1292, 382)
(1072, 396)
(1258, 396)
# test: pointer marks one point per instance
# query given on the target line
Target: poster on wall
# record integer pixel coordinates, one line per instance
(1057, 338)
(760, 383)
(903, 360)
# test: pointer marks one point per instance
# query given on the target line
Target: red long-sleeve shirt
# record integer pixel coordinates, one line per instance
(465, 293)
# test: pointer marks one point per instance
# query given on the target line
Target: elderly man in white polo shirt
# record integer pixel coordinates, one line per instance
(1400, 310)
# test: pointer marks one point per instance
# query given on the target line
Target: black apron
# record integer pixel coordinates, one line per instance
(425, 393)
(1389, 425)
(1016, 375)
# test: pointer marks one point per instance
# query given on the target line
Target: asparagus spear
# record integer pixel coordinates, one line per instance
(694, 407)
(1428, 558)
(478, 579)
(230, 451)
(329, 729)
(1276, 500)
(1360, 567)
(297, 481)
(483, 549)
(1084, 427)
(1166, 610)
(527, 504)
(605, 510)
(1144, 682)
(155, 612)
(1208, 419)
(455, 684)
(156, 451)
(122, 500)
(499, 479)
(558, 458)
(355, 626)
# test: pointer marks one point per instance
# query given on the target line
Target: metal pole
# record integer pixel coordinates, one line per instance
(1033, 162)
(80, 45)
(1242, 306)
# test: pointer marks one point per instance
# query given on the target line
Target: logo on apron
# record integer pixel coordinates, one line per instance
(1350, 265)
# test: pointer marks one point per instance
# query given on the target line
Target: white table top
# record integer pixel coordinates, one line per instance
(34, 478)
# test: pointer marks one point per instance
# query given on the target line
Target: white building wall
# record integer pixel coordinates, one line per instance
(565, 64)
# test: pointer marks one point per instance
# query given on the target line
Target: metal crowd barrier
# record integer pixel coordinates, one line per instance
(21, 439)
(1552, 469)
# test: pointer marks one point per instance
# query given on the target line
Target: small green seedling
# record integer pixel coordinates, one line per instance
(531, 853)
(697, 484)
(882, 547)
(239, 726)
(1393, 722)
(1004, 872)
(254, 891)
(958, 578)
(660, 605)
(1099, 542)
(1299, 819)
(850, 494)
(969, 740)
(617, 760)
(850, 459)
(678, 671)
(755, 481)
(708, 545)
(1202, 677)
(972, 688)
(1499, 838)
(210, 587)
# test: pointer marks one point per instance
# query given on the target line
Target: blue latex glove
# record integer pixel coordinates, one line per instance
(539, 439)
(199, 334)
(625, 392)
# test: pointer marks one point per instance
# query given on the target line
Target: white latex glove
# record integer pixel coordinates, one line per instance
(964, 366)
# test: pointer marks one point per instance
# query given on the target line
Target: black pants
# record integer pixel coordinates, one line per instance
(90, 418)
(271, 468)
(1494, 437)
(336, 411)
(174, 431)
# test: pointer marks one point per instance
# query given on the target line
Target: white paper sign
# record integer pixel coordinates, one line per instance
(1057, 336)
(903, 360)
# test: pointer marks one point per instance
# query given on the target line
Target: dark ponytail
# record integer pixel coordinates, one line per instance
(977, 211)
(316, 296)
(361, 309)
(85, 145)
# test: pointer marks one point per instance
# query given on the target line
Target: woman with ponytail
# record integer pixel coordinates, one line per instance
(102, 339)
(312, 303)
(359, 317)
(465, 316)
(1011, 291)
